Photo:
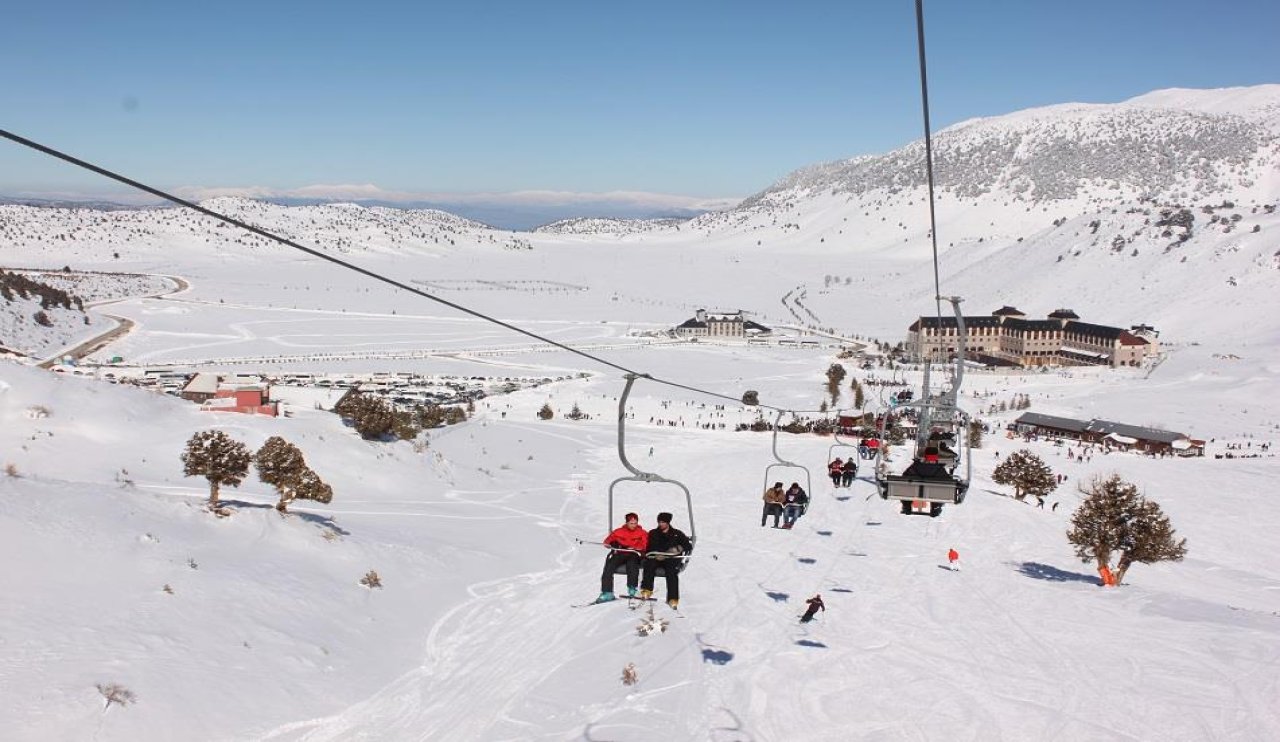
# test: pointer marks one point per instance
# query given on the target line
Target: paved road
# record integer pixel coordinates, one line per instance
(123, 326)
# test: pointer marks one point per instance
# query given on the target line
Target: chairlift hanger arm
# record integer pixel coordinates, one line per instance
(776, 426)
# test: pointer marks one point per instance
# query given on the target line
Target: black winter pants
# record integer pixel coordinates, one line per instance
(629, 559)
(672, 570)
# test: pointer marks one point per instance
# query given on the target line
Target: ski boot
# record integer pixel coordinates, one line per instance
(644, 594)
(674, 603)
(605, 597)
(631, 592)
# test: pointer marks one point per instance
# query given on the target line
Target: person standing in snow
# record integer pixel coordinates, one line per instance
(626, 545)
(666, 544)
(953, 558)
(815, 605)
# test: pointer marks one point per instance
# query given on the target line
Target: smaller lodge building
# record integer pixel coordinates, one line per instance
(246, 395)
(721, 325)
(1110, 434)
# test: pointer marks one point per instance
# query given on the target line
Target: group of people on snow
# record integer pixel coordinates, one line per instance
(788, 504)
(842, 472)
(641, 554)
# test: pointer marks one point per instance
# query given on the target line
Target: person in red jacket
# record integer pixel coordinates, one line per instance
(836, 470)
(627, 544)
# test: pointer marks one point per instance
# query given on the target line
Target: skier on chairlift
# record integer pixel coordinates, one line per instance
(626, 545)
(774, 498)
(666, 545)
(848, 472)
(794, 504)
(836, 470)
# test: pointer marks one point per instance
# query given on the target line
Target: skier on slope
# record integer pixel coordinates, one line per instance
(815, 605)
(626, 543)
(953, 558)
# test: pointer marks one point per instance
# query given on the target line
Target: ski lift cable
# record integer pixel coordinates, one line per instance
(58, 154)
(933, 217)
(928, 156)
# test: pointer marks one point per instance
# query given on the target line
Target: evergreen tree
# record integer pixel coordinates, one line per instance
(280, 464)
(975, 434)
(371, 416)
(858, 398)
(217, 457)
(1114, 519)
(835, 375)
(546, 413)
(1027, 474)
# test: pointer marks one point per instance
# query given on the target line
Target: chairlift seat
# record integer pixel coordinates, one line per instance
(923, 481)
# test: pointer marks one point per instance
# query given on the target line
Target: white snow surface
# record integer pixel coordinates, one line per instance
(265, 633)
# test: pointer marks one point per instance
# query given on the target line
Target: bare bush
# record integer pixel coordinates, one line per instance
(117, 694)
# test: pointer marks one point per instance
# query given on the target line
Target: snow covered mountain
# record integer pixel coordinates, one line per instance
(1170, 145)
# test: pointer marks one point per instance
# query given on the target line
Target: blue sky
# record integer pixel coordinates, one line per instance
(701, 99)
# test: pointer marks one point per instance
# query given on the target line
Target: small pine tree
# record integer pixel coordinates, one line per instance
(546, 413)
(858, 397)
(280, 464)
(575, 413)
(1027, 474)
(217, 457)
(1115, 519)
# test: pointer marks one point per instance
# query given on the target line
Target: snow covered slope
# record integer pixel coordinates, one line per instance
(257, 627)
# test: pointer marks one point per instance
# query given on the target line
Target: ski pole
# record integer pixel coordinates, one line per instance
(612, 548)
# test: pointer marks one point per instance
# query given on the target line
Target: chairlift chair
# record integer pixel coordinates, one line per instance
(647, 478)
(931, 480)
(839, 443)
(780, 462)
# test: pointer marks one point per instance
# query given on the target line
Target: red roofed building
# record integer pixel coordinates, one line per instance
(239, 395)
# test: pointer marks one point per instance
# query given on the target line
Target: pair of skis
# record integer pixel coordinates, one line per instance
(632, 602)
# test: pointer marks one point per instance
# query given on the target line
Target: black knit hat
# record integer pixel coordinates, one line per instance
(664, 517)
